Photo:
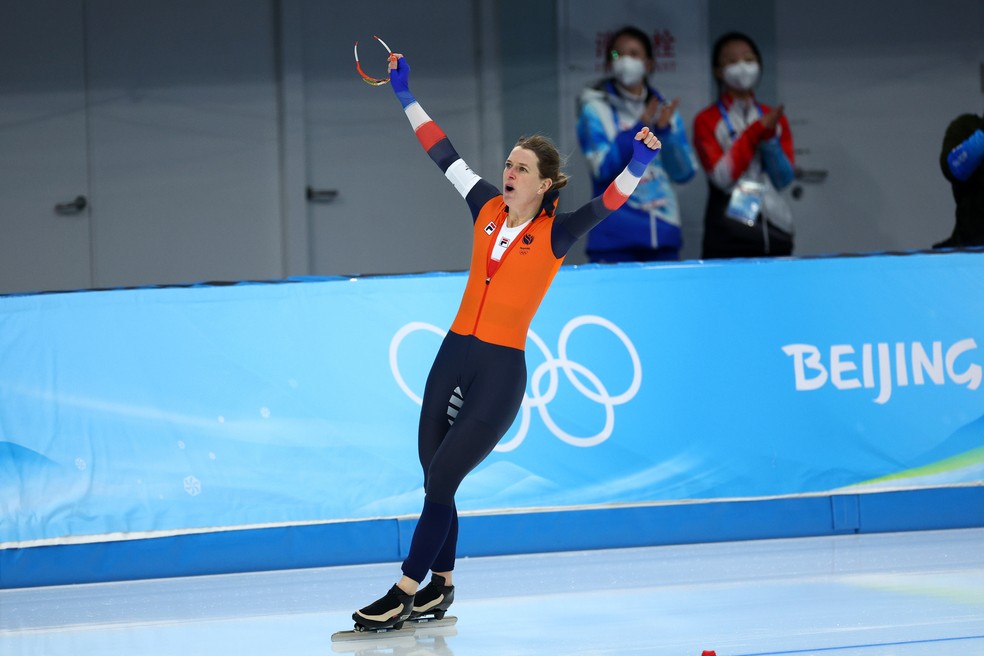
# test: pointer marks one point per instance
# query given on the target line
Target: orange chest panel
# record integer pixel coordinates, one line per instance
(499, 302)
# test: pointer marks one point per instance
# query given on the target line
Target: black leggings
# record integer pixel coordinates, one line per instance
(491, 381)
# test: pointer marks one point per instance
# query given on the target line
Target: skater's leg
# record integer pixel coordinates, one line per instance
(448, 451)
(492, 396)
(491, 402)
(394, 607)
(428, 538)
(442, 381)
(436, 520)
(408, 585)
(465, 446)
(437, 529)
(444, 562)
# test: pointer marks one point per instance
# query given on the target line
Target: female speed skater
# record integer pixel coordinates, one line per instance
(475, 387)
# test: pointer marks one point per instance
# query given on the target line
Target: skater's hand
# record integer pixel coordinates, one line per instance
(645, 146)
(399, 72)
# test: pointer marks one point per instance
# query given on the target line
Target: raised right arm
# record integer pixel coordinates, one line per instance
(472, 188)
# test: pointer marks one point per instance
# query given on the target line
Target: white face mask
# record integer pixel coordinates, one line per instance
(741, 75)
(629, 71)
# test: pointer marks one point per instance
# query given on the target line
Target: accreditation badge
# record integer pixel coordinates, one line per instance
(746, 202)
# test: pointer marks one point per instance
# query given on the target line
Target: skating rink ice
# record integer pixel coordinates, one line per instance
(899, 594)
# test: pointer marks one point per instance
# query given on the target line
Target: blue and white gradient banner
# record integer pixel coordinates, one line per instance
(219, 406)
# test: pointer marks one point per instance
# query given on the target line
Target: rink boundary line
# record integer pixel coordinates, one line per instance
(873, 645)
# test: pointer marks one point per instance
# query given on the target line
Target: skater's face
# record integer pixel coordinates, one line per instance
(521, 181)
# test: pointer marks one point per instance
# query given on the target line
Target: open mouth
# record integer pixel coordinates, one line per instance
(509, 187)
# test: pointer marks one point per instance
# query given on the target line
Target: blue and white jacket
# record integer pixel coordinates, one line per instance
(608, 120)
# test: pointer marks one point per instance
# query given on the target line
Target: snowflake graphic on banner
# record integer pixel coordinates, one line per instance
(192, 486)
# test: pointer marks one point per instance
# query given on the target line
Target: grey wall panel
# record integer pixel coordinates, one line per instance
(184, 139)
(42, 147)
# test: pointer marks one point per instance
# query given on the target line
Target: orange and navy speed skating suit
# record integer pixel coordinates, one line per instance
(476, 384)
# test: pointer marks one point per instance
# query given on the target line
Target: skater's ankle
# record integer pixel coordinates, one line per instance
(444, 575)
(408, 585)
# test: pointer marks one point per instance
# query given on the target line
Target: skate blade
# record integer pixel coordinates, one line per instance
(370, 635)
(375, 647)
(430, 622)
(433, 627)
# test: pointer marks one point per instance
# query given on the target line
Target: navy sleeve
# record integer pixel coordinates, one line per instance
(568, 227)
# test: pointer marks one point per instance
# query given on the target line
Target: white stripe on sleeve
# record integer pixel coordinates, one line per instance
(416, 114)
(462, 177)
(626, 182)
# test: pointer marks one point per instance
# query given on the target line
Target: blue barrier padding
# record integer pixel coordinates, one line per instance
(846, 514)
(936, 508)
(220, 552)
(812, 388)
(387, 540)
(644, 526)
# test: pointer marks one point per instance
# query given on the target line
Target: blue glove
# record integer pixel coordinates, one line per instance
(642, 155)
(400, 81)
(965, 158)
(624, 141)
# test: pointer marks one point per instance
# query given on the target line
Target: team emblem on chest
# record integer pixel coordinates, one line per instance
(527, 244)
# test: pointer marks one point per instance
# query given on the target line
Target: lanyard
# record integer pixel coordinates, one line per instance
(727, 119)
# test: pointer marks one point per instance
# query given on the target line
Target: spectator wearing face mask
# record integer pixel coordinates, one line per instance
(746, 149)
(611, 112)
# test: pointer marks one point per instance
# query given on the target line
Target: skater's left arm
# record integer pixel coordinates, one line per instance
(568, 228)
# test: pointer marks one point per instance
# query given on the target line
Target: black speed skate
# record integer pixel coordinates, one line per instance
(387, 612)
(383, 617)
(431, 603)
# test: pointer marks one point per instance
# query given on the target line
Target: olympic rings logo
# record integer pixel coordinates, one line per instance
(574, 371)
